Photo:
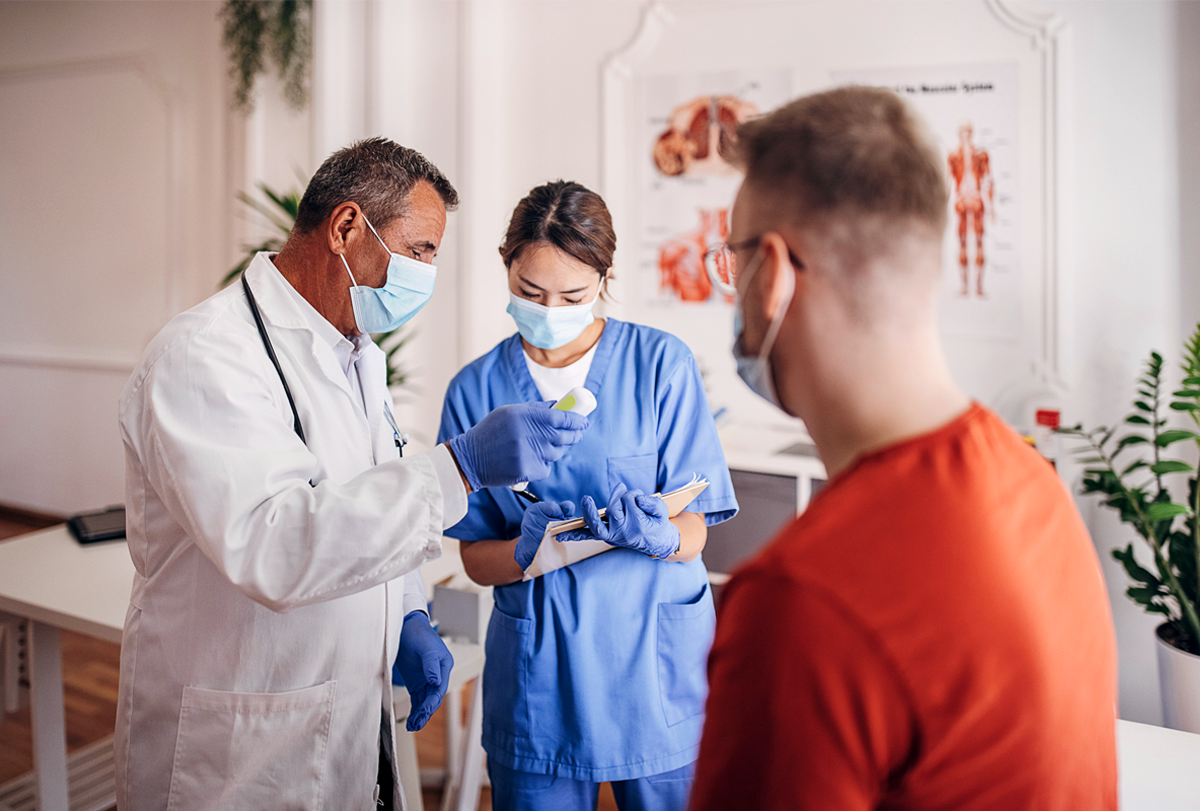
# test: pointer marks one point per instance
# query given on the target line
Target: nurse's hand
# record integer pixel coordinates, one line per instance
(423, 665)
(633, 520)
(533, 527)
(516, 443)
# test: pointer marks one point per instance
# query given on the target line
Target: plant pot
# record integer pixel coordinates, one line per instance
(1179, 681)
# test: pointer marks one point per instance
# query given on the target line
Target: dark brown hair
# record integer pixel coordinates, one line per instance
(858, 151)
(567, 216)
(378, 175)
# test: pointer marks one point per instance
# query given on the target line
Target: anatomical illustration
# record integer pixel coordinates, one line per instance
(974, 197)
(700, 136)
(681, 258)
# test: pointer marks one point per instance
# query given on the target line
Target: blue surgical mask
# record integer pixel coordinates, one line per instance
(756, 372)
(409, 285)
(550, 327)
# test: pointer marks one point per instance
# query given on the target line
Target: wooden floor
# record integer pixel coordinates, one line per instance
(90, 670)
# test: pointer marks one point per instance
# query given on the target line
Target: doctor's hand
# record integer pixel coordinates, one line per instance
(634, 520)
(533, 527)
(423, 666)
(516, 443)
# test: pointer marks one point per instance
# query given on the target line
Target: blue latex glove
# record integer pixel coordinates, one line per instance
(516, 443)
(533, 527)
(633, 520)
(423, 667)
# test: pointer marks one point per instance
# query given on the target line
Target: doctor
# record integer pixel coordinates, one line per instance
(273, 522)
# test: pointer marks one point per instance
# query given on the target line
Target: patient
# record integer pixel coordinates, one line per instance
(933, 632)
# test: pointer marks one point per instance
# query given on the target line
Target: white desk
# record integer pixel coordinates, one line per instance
(1159, 768)
(54, 582)
(50, 579)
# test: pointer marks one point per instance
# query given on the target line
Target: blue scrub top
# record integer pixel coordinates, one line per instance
(597, 671)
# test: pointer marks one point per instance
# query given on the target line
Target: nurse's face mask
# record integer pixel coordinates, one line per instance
(550, 327)
(408, 287)
(755, 371)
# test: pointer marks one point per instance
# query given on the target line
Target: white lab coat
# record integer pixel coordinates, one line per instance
(266, 610)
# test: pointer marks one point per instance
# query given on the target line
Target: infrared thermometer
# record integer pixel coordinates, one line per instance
(577, 401)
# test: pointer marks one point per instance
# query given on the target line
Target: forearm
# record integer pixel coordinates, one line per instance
(491, 563)
(693, 535)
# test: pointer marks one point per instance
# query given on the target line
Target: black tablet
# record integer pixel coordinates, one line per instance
(98, 526)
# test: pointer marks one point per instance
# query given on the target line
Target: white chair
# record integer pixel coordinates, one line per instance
(10, 664)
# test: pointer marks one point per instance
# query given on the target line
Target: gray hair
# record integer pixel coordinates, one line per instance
(378, 175)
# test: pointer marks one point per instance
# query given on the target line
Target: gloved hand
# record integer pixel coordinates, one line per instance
(533, 527)
(423, 667)
(516, 443)
(634, 520)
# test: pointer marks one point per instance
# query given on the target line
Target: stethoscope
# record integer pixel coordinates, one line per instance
(401, 439)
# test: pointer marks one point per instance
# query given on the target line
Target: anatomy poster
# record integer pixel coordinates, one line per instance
(685, 180)
(974, 113)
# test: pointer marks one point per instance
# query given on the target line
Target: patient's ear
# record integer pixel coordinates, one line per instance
(777, 276)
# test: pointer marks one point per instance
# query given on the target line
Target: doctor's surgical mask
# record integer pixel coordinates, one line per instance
(408, 287)
(550, 327)
(756, 372)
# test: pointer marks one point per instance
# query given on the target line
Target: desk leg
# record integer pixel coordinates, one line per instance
(49, 725)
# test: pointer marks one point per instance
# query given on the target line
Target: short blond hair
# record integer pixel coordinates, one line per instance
(845, 155)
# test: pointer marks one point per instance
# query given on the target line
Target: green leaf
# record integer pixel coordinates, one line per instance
(1193, 393)
(1171, 437)
(1163, 510)
(1131, 439)
(1143, 594)
(1138, 465)
(1191, 381)
(1141, 405)
(1170, 466)
(1178, 406)
(1137, 419)
(1134, 569)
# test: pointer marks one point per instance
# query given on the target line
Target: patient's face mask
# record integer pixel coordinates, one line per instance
(755, 371)
(408, 287)
(550, 327)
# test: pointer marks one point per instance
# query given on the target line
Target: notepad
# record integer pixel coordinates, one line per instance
(554, 554)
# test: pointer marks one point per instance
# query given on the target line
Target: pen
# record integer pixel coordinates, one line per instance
(528, 496)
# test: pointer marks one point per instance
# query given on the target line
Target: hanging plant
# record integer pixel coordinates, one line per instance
(280, 29)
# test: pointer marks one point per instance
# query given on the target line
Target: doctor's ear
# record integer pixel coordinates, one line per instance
(342, 223)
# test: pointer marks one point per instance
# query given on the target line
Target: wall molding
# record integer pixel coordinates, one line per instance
(616, 76)
(143, 67)
(76, 360)
(1044, 32)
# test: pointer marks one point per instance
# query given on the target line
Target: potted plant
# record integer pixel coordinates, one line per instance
(1157, 495)
(280, 212)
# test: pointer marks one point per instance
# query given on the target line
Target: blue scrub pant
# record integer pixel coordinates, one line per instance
(524, 791)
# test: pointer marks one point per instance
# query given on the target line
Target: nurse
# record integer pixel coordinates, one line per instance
(595, 672)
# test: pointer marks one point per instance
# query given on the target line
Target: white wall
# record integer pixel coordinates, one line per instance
(1123, 241)
(120, 214)
(113, 159)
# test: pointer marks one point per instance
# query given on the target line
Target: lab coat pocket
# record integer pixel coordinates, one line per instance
(685, 634)
(251, 750)
(506, 674)
(637, 472)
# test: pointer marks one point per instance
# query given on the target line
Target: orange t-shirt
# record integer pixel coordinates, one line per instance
(932, 633)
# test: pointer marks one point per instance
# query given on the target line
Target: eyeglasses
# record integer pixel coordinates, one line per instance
(721, 262)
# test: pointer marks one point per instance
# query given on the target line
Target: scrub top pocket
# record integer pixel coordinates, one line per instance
(506, 674)
(685, 634)
(637, 472)
(251, 750)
